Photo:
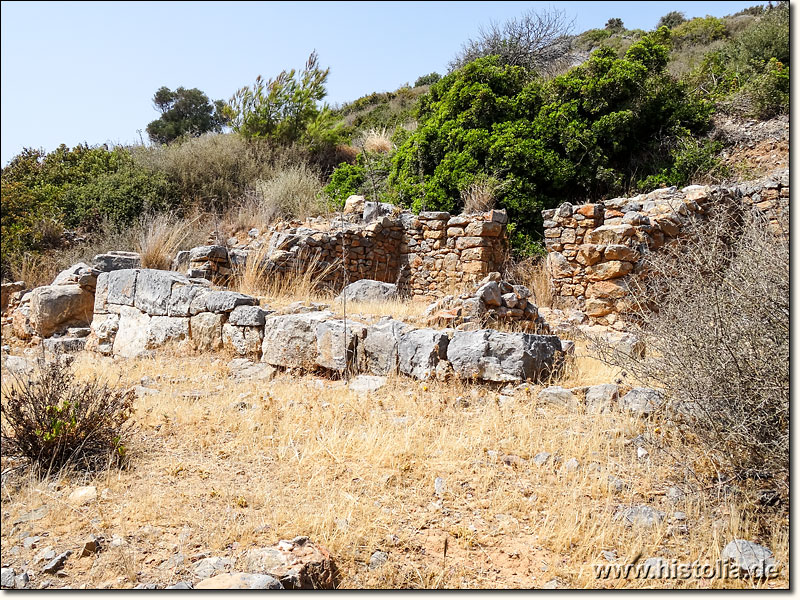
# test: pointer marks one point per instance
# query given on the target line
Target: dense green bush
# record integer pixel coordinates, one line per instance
(700, 30)
(184, 112)
(428, 79)
(671, 20)
(599, 129)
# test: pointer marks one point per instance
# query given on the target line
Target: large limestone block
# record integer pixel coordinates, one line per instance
(291, 340)
(154, 289)
(132, 331)
(609, 234)
(121, 286)
(337, 343)
(116, 260)
(163, 330)
(369, 289)
(420, 350)
(379, 349)
(498, 356)
(56, 307)
(206, 330)
(245, 341)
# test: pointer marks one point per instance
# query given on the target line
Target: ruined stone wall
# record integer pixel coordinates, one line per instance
(426, 255)
(595, 249)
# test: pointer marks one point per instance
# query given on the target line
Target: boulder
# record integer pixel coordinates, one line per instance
(104, 330)
(558, 396)
(6, 290)
(337, 343)
(186, 297)
(601, 398)
(291, 340)
(419, 350)
(368, 289)
(297, 564)
(121, 286)
(214, 253)
(354, 205)
(64, 345)
(490, 294)
(498, 356)
(642, 401)
(56, 307)
(78, 274)
(376, 210)
(116, 260)
(750, 557)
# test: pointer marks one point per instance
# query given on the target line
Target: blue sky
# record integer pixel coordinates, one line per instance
(77, 72)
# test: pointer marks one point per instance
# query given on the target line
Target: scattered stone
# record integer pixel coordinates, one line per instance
(297, 564)
(21, 581)
(601, 398)
(378, 559)
(45, 554)
(641, 453)
(755, 559)
(90, 546)
(240, 581)
(208, 567)
(181, 585)
(557, 396)
(642, 516)
(31, 541)
(7, 578)
(57, 563)
(438, 486)
(146, 586)
(18, 365)
(553, 584)
(679, 515)
(675, 494)
(116, 260)
(366, 383)
(541, 458)
(610, 555)
(571, 465)
(83, 495)
(34, 515)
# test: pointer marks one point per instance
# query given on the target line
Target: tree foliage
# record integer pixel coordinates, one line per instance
(537, 41)
(599, 129)
(671, 20)
(285, 109)
(184, 112)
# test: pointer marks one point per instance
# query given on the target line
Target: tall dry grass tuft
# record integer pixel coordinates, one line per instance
(480, 195)
(160, 237)
(304, 281)
(532, 272)
(377, 140)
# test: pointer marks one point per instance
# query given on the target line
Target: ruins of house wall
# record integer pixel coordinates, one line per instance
(139, 311)
(426, 255)
(594, 249)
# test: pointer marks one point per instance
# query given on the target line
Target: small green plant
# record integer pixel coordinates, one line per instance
(56, 421)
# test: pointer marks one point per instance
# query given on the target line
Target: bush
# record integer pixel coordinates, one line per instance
(345, 181)
(718, 342)
(56, 421)
(671, 20)
(428, 79)
(293, 191)
(594, 131)
(700, 30)
(184, 112)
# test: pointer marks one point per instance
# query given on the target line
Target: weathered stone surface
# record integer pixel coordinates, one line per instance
(82, 495)
(183, 297)
(489, 293)
(64, 345)
(376, 210)
(208, 253)
(291, 340)
(132, 331)
(248, 316)
(334, 350)
(297, 564)
(498, 356)
(753, 558)
(419, 350)
(162, 330)
(154, 289)
(559, 266)
(104, 330)
(368, 289)
(18, 365)
(56, 307)
(620, 252)
(7, 576)
(245, 341)
(641, 516)
(116, 260)
(240, 581)
(642, 401)
(601, 398)
(121, 286)
(608, 270)
(378, 351)
(362, 384)
(609, 234)
(607, 289)
(558, 396)
(206, 330)
(6, 289)
(71, 275)
(354, 204)
(219, 302)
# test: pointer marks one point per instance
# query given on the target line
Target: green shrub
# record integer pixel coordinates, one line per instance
(345, 181)
(54, 420)
(671, 20)
(428, 79)
(594, 131)
(184, 112)
(700, 30)
(766, 95)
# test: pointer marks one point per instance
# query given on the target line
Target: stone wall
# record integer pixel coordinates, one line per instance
(594, 249)
(426, 255)
(138, 311)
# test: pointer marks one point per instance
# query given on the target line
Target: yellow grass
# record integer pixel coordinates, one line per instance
(356, 473)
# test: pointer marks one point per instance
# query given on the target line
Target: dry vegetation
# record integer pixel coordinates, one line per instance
(220, 466)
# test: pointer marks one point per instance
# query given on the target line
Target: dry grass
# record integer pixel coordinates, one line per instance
(293, 190)
(160, 237)
(479, 196)
(356, 473)
(377, 140)
(532, 273)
